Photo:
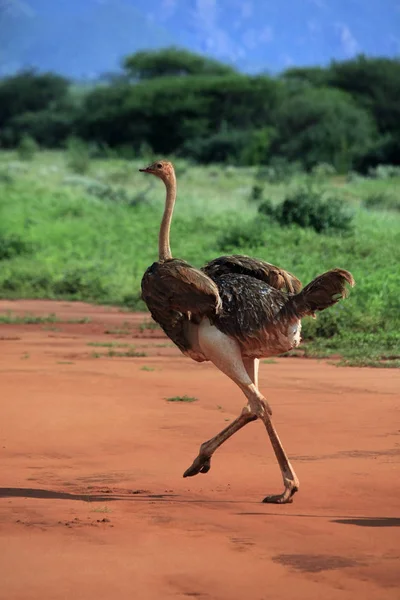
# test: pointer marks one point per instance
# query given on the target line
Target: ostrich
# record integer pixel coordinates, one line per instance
(232, 312)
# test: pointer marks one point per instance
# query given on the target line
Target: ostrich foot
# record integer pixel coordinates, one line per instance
(201, 464)
(285, 498)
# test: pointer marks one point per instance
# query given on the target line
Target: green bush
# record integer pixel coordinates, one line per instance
(323, 125)
(257, 192)
(12, 245)
(323, 171)
(384, 171)
(310, 207)
(81, 282)
(6, 177)
(78, 156)
(107, 192)
(224, 146)
(278, 170)
(382, 201)
(27, 148)
(243, 235)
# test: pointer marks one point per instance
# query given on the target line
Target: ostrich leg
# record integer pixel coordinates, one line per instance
(225, 354)
(290, 480)
(202, 463)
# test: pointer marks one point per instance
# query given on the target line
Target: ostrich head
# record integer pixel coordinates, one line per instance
(162, 169)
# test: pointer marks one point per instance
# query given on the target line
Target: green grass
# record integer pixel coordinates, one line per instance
(60, 241)
(10, 319)
(151, 325)
(146, 368)
(181, 399)
(366, 362)
(131, 352)
(117, 332)
(107, 345)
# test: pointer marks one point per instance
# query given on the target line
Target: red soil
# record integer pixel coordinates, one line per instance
(93, 505)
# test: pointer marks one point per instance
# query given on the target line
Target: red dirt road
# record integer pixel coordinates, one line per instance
(93, 505)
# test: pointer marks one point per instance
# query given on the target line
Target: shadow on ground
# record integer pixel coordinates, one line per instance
(143, 495)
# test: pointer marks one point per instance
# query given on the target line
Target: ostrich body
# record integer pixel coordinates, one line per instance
(232, 312)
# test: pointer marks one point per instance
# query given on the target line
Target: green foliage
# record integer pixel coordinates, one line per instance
(278, 170)
(171, 61)
(384, 171)
(375, 84)
(222, 147)
(169, 113)
(181, 399)
(77, 246)
(322, 171)
(257, 192)
(323, 125)
(80, 282)
(30, 92)
(12, 245)
(27, 148)
(250, 234)
(308, 206)
(172, 101)
(37, 105)
(78, 156)
(382, 201)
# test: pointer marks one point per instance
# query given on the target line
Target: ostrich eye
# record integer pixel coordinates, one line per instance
(159, 166)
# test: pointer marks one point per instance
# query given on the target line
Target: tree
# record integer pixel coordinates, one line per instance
(37, 105)
(169, 62)
(323, 125)
(375, 84)
(30, 92)
(167, 112)
(310, 76)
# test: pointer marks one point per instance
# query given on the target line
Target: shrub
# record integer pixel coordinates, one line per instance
(12, 245)
(81, 282)
(278, 170)
(310, 207)
(78, 156)
(256, 193)
(382, 201)
(323, 125)
(107, 192)
(384, 171)
(243, 235)
(323, 171)
(27, 148)
(223, 146)
(6, 177)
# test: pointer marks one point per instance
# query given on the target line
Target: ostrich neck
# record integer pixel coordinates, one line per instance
(164, 249)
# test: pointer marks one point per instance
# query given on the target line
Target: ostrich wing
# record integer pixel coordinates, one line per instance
(176, 292)
(258, 269)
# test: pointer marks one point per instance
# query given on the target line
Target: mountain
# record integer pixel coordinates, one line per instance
(85, 38)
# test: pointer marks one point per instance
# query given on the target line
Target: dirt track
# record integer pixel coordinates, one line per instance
(92, 500)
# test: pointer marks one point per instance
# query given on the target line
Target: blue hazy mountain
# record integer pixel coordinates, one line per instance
(85, 38)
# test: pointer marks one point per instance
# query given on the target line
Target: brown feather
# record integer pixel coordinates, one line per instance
(176, 292)
(258, 269)
(321, 293)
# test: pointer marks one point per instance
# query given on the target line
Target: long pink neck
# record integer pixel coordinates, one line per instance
(164, 249)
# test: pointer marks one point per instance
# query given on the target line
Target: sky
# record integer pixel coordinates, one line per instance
(84, 38)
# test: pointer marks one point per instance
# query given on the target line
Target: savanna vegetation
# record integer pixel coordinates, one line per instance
(174, 102)
(301, 170)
